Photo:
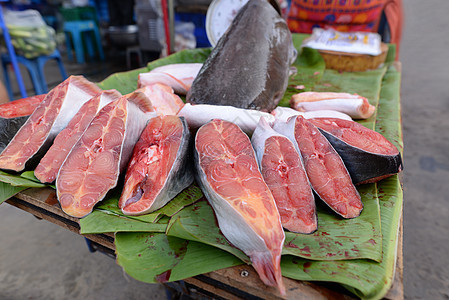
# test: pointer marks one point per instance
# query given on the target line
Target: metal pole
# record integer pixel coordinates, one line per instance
(171, 19)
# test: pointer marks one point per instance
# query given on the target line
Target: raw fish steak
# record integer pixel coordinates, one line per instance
(283, 172)
(324, 167)
(200, 114)
(177, 76)
(355, 106)
(48, 167)
(93, 165)
(21, 107)
(246, 211)
(160, 167)
(163, 99)
(51, 116)
(368, 155)
(249, 66)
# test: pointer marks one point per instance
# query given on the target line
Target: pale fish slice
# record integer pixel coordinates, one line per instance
(353, 105)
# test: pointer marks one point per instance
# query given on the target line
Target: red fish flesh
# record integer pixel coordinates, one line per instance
(177, 76)
(354, 105)
(283, 172)
(324, 167)
(13, 115)
(48, 167)
(51, 116)
(163, 99)
(159, 168)
(368, 155)
(21, 107)
(93, 165)
(246, 211)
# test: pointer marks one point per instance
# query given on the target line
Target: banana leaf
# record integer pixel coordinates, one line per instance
(367, 279)
(8, 190)
(107, 217)
(156, 257)
(335, 238)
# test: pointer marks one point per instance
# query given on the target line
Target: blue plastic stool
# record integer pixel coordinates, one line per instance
(11, 52)
(35, 68)
(74, 33)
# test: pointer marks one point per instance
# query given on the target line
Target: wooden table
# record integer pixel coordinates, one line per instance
(240, 282)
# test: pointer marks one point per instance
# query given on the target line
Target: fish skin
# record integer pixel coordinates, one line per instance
(178, 76)
(321, 159)
(51, 116)
(249, 66)
(364, 165)
(48, 167)
(282, 169)
(9, 128)
(252, 226)
(145, 170)
(94, 164)
(199, 114)
(284, 113)
(354, 105)
(21, 107)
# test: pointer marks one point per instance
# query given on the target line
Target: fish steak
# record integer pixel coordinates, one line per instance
(368, 155)
(229, 177)
(52, 115)
(284, 174)
(93, 166)
(160, 167)
(48, 167)
(324, 167)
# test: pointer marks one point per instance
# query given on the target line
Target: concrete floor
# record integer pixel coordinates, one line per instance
(39, 260)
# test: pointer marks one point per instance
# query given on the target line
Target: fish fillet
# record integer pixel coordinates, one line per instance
(177, 76)
(246, 211)
(284, 113)
(48, 167)
(353, 105)
(51, 116)
(93, 165)
(163, 99)
(324, 167)
(283, 172)
(159, 168)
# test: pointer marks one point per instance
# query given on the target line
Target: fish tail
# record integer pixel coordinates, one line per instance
(269, 269)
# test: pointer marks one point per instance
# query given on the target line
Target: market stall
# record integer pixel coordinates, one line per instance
(309, 207)
(189, 220)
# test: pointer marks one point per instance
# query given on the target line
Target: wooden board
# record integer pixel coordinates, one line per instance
(240, 282)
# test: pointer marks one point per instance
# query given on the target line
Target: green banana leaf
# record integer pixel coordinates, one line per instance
(7, 191)
(156, 257)
(107, 216)
(335, 238)
(367, 279)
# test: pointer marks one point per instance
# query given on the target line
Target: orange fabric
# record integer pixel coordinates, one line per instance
(346, 15)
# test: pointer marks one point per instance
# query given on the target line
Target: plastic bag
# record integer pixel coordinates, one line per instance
(30, 35)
